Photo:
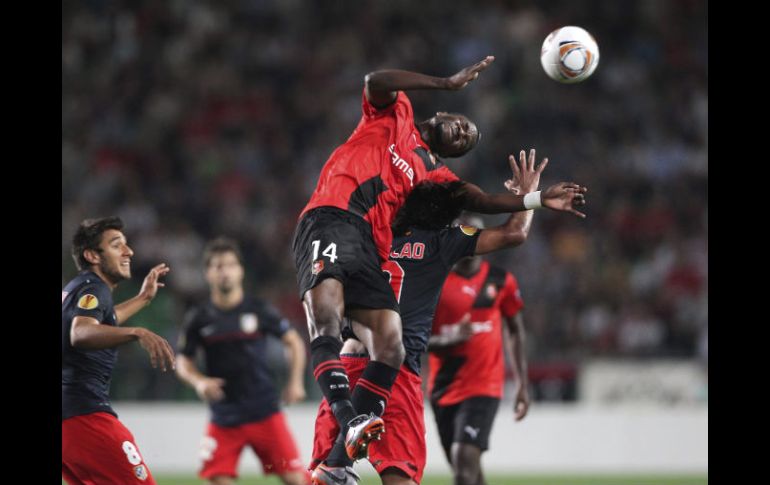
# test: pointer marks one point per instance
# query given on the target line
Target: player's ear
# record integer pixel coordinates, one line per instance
(92, 256)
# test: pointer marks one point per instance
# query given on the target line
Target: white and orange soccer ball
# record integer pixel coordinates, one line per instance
(569, 55)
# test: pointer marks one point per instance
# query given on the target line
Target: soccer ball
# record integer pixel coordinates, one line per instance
(569, 55)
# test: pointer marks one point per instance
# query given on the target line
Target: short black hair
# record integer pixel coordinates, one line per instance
(89, 236)
(431, 206)
(221, 245)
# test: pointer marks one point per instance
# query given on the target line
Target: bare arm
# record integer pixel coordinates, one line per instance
(87, 333)
(207, 388)
(381, 87)
(564, 196)
(525, 178)
(128, 308)
(295, 388)
(515, 352)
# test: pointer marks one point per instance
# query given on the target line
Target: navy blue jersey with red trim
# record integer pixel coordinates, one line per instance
(234, 346)
(86, 374)
(419, 263)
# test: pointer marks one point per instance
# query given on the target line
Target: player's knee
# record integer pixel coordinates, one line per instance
(466, 475)
(466, 463)
(221, 480)
(395, 476)
(324, 312)
(392, 352)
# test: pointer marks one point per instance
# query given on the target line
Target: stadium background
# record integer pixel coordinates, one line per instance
(191, 119)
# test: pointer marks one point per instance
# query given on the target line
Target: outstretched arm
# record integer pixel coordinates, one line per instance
(383, 86)
(564, 196)
(88, 333)
(127, 309)
(207, 388)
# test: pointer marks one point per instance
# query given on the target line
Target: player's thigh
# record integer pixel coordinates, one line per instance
(474, 420)
(220, 450)
(327, 244)
(445, 424)
(326, 431)
(70, 477)
(99, 448)
(274, 444)
(369, 287)
(403, 447)
(395, 476)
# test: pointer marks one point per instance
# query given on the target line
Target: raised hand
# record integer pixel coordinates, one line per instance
(462, 78)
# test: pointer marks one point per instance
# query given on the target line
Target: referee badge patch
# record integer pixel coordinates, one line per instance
(88, 302)
(468, 230)
(318, 266)
(140, 471)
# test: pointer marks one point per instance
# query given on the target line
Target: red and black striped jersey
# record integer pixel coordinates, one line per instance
(475, 367)
(373, 172)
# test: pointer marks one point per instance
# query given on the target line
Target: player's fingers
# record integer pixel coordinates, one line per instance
(514, 165)
(168, 351)
(531, 164)
(153, 356)
(578, 213)
(542, 165)
(161, 285)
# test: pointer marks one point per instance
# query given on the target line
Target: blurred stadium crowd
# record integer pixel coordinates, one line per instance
(191, 119)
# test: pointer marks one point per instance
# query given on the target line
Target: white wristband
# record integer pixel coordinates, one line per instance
(532, 200)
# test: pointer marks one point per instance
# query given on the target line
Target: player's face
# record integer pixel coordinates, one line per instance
(115, 256)
(453, 134)
(224, 272)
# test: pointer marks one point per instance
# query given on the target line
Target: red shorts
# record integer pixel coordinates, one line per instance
(270, 439)
(403, 443)
(97, 449)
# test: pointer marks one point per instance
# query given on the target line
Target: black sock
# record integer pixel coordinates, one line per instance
(332, 378)
(338, 456)
(373, 388)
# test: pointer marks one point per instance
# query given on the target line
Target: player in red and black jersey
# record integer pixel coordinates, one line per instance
(478, 311)
(343, 234)
(96, 447)
(231, 330)
(424, 250)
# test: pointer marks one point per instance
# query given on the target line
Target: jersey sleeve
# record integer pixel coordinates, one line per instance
(272, 322)
(511, 301)
(458, 242)
(93, 300)
(370, 111)
(189, 338)
(442, 174)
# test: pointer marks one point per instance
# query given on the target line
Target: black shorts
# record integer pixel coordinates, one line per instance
(333, 243)
(469, 421)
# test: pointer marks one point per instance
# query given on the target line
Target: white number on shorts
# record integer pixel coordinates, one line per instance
(132, 453)
(208, 446)
(330, 251)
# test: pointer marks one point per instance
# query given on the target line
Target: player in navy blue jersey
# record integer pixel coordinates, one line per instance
(96, 447)
(423, 252)
(231, 330)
